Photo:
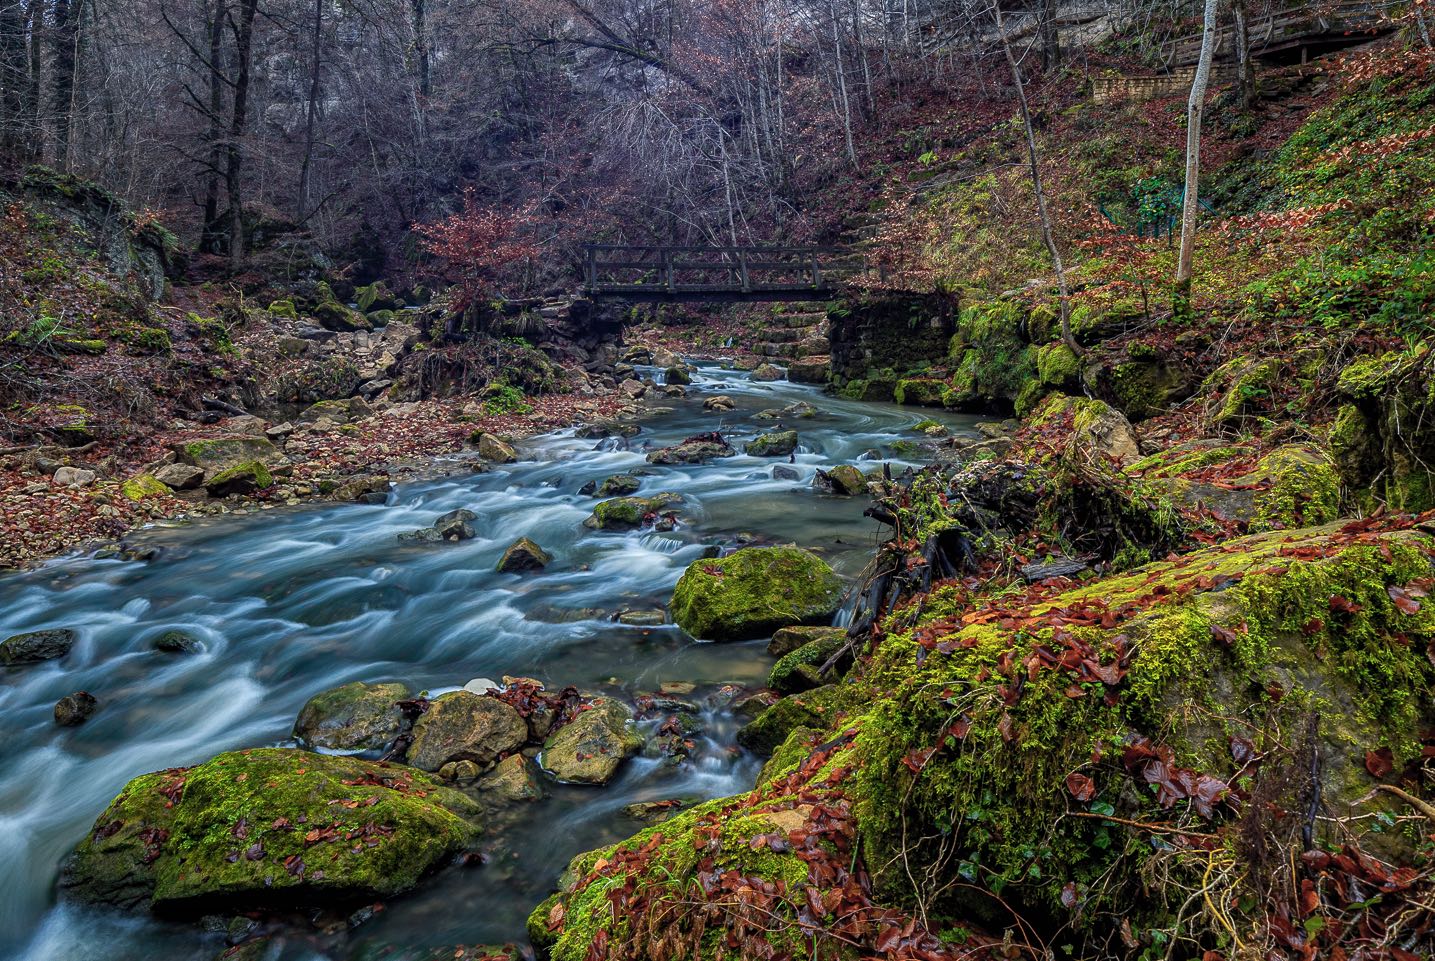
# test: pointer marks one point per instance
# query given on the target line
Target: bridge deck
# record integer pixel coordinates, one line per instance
(1314, 25)
(653, 274)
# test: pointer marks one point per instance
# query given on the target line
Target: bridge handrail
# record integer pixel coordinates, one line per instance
(738, 263)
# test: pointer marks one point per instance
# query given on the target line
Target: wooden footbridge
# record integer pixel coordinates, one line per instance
(1293, 32)
(649, 274)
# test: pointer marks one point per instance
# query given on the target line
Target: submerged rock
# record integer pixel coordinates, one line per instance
(177, 642)
(754, 592)
(36, 646)
(698, 449)
(465, 727)
(522, 556)
(74, 709)
(590, 748)
(269, 826)
(354, 717)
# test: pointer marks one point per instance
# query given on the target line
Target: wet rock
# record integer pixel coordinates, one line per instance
(870, 453)
(801, 409)
(662, 357)
(354, 717)
(779, 444)
(800, 670)
(590, 748)
(177, 642)
(637, 354)
(750, 706)
(606, 428)
(247, 827)
(677, 374)
(783, 472)
(74, 477)
(643, 618)
(492, 449)
(653, 812)
(619, 485)
(513, 781)
(843, 481)
(180, 477)
(522, 556)
(718, 404)
(754, 592)
(480, 685)
(74, 709)
(465, 727)
(455, 526)
(460, 771)
(629, 513)
(766, 373)
(698, 449)
(36, 646)
(362, 489)
(790, 639)
(633, 389)
(765, 733)
(424, 535)
(247, 478)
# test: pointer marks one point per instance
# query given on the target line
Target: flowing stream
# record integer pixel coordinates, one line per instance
(291, 602)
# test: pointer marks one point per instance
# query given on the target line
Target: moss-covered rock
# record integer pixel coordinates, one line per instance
(629, 513)
(1383, 437)
(1242, 391)
(354, 717)
(376, 296)
(217, 455)
(246, 478)
(919, 391)
(789, 639)
(778, 444)
(334, 316)
(1096, 431)
(269, 827)
(754, 592)
(799, 670)
(523, 556)
(143, 486)
(1300, 488)
(590, 748)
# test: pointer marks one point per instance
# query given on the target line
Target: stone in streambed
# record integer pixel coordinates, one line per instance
(799, 670)
(180, 477)
(783, 472)
(177, 642)
(754, 592)
(779, 444)
(522, 556)
(271, 825)
(789, 639)
(677, 374)
(619, 485)
(74, 709)
(629, 513)
(590, 748)
(456, 526)
(36, 646)
(843, 480)
(491, 448)
(465, 727)
(766, 373)
(698, 449)
(354, 717)
(514, 780)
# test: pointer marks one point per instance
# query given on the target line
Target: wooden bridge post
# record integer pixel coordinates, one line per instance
(592, 267)
(816, 274)
(742, 271)
(668, 278)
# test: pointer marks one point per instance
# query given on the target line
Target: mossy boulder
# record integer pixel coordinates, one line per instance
(1383, 438)
(629, 513)
(216, 455)
(590, 748)
(142, 487)
(767, 373)
(800, 670)
(618, 485)
(463, 726)
(334, 316)
(490, 448)
(778, 444)
(1096, 432)
(919, 391)
(754, 592)
(789, 639)
(1299, 488)
(677, 374)
(269, 827)
(513, 780)
(695, 450)
(247, 478)
(354, 717)
(1242, 391)
(844, 480)
(376, 296)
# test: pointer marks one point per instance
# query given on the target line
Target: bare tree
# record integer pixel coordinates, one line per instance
(1048, 236)
(1191, 202)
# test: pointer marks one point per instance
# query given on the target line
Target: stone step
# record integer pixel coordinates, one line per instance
(810, 370)
(798, 320)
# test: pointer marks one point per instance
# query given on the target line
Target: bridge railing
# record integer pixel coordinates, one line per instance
(1283, 27)
(618, 269)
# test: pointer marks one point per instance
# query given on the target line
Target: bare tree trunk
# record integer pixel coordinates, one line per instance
(66, 37)
(234, 168)
(1245, 69)
(13, 74)
(1047, 234)
(1050, 36)
(311, 118)
(1191, 206)
(842, 86)
(421, 47)
(211, 239)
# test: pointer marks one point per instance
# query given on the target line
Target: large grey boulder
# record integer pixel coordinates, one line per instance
(463, 726)
(590, 748)
(354, 717)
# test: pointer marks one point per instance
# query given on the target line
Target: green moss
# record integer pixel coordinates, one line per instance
(237, 827)
(252, 472)
(755, 591)
(628, 513)
(1184, 459)
(797, 671)
(1304, 490)
(284, 308)
(151, 340)
(919, 391)
(1057, 366)
(1244, 389)
(143, 486)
